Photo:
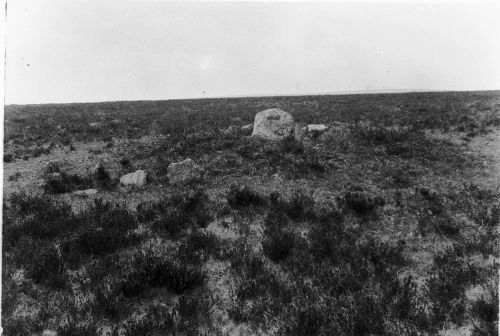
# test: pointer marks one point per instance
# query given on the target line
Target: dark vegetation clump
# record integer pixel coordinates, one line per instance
(60, 183)
(485, 313)
(299, 207)
(8, 157)
(36, 217)
(453, 274)
(47, 267)
(152, 271)
(198, 247)
(172, 215)
(291, 145)
(239, 197)
(362, 203)
(102, 179)
(103, 228)
(125, 162)
(278, 242)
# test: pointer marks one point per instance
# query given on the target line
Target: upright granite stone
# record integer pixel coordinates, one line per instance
(273, 124)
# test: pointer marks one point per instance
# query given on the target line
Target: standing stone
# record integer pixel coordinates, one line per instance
(273, 124)
(135, 179)
(184, 171)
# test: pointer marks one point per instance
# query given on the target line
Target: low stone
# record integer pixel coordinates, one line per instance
(184, 171)
(135, 179)
(85, 193)
(96, 124)
(316, 128)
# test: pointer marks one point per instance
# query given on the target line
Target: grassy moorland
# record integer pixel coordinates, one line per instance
(386, 224)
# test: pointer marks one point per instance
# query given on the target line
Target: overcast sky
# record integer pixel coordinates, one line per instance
(79, 51)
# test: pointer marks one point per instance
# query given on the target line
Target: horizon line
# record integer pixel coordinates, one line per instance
(265, 95)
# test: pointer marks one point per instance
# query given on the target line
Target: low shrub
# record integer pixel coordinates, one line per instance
(104, 228)
(102, 179)
(278, 245)
(485, 312)
(239, 197)
(8, 157)
(59, 183)
(362, 203)
(35, 216)
(46, 267)
(291, 145)
(198, 246)
(447, 284)
(151, 271)
(174, 214)
(299, 207)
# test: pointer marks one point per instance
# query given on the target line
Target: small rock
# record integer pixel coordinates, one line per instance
(184, 171)
(116, 121)
(85, 193)
(136, 179)
(316, 128)
(95, 124)
(273, 124)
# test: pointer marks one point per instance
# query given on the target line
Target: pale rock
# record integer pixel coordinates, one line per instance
(273, 124)
(316, 128)
(135, 179)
